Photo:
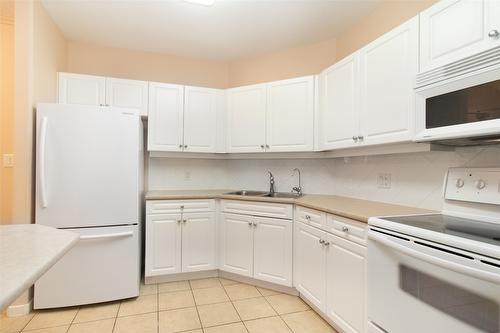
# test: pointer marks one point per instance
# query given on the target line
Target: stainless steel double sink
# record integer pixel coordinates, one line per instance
(251, 193)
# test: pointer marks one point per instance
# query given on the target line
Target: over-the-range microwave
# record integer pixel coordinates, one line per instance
(459, 103)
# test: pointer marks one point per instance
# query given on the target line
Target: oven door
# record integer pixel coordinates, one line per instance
(464, 107)
(417, 286)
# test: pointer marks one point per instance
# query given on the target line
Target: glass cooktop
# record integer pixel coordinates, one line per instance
(452, 225)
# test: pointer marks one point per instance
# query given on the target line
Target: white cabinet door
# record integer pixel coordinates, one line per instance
(198, 242)
(127, 94)
(346, 279)
(339, 111)
(81, 89)
(163, 244)
(273, 250)
(290, 115)
(309, 257)
(165, 120)
(387, 74)
(200, 119)
(246, 119)
(236, 244)
(455, 29)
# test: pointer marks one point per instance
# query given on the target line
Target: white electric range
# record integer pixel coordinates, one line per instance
(439, 272)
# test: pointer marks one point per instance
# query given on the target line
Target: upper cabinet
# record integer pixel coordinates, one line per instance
(81, 89)
(367, 98)
(246, 119)
(127, 94)
(273, 117)
(455, 29)
(290, 115)
(165, 119)
(183, 118)
(387, 75)
(339, 110)
(102, 91)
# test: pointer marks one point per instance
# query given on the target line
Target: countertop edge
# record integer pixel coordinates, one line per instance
(6, 300)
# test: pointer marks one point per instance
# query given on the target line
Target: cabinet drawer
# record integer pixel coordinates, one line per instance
(179, 206)
(347, 228)
(266, 209)
(310, 216)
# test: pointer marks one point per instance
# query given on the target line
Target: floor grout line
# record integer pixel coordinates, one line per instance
(236, 310)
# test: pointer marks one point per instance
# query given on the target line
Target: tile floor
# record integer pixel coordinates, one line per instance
(213, 305)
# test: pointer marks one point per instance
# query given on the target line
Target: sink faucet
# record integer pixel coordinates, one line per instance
(271, 183)
(297, 189)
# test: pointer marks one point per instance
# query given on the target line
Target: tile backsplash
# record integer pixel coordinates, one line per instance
(416, 178)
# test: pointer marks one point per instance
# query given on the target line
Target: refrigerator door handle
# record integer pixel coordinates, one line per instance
(41, 157)
(113, 235)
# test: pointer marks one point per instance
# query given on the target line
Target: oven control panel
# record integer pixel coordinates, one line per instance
(473, 184)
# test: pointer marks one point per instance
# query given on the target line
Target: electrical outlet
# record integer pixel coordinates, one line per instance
(384, 180)
(8, 160)
(187, 176)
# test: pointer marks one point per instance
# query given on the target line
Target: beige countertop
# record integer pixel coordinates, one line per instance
(356, 209)
(26, 252)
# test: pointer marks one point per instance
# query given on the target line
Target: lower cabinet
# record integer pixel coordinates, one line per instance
(310, 264)
(345, 284)
(330, 272)
(258, 247)
(181, 242)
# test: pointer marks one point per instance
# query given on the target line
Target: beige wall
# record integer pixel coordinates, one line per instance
(385, 17)
(6, 108)
(299, 61)
(107, 61)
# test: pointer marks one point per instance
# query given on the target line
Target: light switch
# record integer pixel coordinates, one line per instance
(8, 160)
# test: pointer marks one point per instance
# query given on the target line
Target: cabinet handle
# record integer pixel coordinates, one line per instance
(308, 217)
(321, 241)
(345, 229)
(360, 138)
(355, 138)
(262, 146)
(493, 34)
(326, 243)
(250, 223)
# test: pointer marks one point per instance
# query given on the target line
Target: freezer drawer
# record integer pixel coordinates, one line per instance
(103, 266)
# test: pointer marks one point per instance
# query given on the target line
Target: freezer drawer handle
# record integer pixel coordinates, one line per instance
(41, 157)
(114, 235)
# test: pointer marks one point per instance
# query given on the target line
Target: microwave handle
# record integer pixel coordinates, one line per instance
(470, 271)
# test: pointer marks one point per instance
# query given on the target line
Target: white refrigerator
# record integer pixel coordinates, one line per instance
(88, 180)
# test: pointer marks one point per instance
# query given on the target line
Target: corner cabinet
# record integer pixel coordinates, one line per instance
(454, 29)
(367, 98)
(184, 118)
(272, 117)
(103, 91)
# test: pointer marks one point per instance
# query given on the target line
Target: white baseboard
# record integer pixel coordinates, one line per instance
(20, 309)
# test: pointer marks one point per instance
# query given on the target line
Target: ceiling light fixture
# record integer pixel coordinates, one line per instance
(201, 2)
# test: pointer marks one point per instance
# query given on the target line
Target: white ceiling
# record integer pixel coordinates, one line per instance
(228, 30)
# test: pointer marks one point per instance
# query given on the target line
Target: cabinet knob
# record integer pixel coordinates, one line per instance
(326, 243)
(262, 146)
(345, 229)
(321, 241)
(308, 217)
(360, 138)
(480, 184)
(493, 34)
(184, 221)
(182, 206)
(250, 223)
(267, 146)
(355, 138)
(180, 146)
(185, 146)
(254, 225)
(178, 221)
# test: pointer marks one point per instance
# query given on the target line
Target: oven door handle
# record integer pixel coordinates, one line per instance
(457, 267)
